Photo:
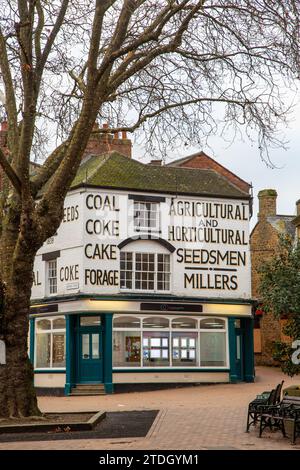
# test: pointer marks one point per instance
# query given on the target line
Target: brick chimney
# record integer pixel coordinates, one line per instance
(155, 162)
(298, 207)
(267, 203)
(105, 142)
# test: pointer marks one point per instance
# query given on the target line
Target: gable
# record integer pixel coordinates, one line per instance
(202, 161)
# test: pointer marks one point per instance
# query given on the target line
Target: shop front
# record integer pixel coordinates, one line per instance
(141, 342)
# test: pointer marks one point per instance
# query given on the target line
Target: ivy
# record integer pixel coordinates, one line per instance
(280, 294)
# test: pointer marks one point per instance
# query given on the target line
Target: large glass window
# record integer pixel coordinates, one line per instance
(156, 348)
(169, 341)
(212, 342)
(184, 349)
(127, 342)
(146, 216)
(145, 271)
(50, 343)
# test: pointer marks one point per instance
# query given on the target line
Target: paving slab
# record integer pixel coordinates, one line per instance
(211, 417)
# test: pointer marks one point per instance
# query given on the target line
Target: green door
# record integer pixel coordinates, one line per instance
(89, 351)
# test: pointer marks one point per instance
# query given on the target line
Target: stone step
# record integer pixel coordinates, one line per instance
(88, 390)
(85, 394)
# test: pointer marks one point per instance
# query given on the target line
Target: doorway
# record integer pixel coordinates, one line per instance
(89, 367)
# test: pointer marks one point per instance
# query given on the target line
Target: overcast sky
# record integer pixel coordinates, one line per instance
(243, 159)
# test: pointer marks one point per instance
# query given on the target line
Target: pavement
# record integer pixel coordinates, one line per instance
(202, 417)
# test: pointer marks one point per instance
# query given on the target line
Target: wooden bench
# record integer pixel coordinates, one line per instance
(276, 416)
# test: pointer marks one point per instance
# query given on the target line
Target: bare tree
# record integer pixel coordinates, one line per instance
(171, 67)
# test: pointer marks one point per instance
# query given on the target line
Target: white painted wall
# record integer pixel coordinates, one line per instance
(96, 221)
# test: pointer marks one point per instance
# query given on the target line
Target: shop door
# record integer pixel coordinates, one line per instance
(89, 354)
(239, 354)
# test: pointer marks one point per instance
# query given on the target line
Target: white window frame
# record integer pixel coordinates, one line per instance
(140, 207)
(52, 331)
(134, 271)
(49, 278)
(171, 330)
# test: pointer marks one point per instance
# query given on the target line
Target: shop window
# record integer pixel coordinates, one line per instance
(156, 349)
(212, 324)
(212, 349)
(145, 271)
(184, 349)
(127, 348)
(50, 343)
(146, 216)
(184, 323)
(127, 322)
(169, 341)
(156, 322)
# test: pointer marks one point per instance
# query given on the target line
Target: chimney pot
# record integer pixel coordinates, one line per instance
(116, 135)
(124, 135)
(105, 125)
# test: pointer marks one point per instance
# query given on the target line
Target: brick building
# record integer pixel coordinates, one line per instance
(264, 241)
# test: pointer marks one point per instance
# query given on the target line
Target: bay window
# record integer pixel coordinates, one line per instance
(145, 271)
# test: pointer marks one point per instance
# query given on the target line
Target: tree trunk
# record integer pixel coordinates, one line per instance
(17, 394)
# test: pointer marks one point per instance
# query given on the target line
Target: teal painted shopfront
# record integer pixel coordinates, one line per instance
(122, 347)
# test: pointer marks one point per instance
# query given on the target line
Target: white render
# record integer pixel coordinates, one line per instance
(73, 240)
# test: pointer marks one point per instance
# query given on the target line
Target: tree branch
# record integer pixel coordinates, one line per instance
(10, 173)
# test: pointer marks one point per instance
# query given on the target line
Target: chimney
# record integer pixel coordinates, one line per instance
(106, 142)
(156, 162)
(267, 203)
(298, 207)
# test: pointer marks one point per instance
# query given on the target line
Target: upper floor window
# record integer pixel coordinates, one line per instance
(145, 271)
(52, 276)
(146, 216)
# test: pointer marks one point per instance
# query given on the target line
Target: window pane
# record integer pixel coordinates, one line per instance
(52, 276)
(126, 349)
(43, 325)
(59, 350)
(126, 270)
(156, 322)
(185, 322)
(127, 322)
(90, 321)
(213, 349)
(156, 349)
(85, 351)
(185, 347)
(43, 348)
(212, 323)
(59, 324)
(95, 346)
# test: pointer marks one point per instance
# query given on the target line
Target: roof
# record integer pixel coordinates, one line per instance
(113, 170)
(203, 161)
(283, 224)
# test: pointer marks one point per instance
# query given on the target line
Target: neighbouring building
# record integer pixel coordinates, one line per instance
(148, 279)
(264, 241)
